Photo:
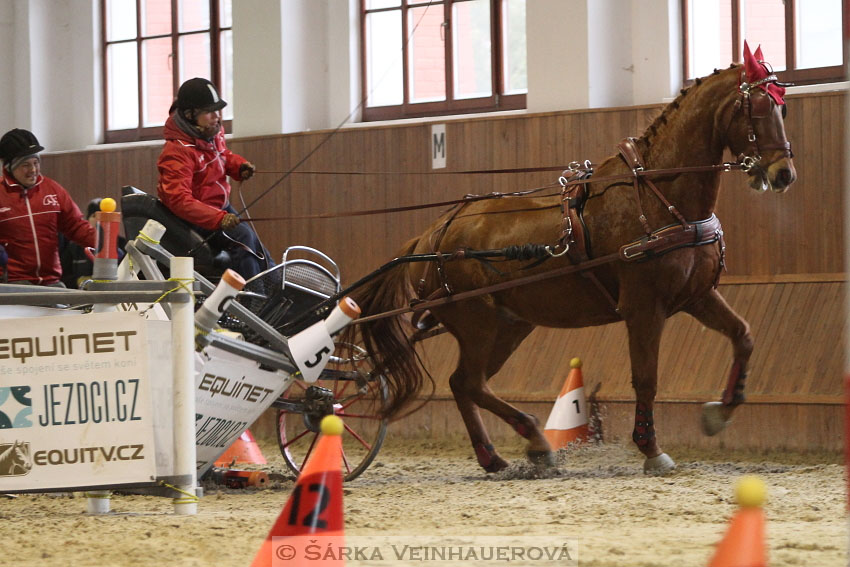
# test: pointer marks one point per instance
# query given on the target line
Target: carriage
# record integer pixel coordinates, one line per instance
(268, 305)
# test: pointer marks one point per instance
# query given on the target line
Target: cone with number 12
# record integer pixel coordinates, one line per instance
(310, 530)
(567, 422)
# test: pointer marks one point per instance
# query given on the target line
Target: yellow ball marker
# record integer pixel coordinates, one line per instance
(107, 205)
(750, 492)
(331, 425)
(575, 363)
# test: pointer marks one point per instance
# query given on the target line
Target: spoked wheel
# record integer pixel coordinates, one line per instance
(347, 389)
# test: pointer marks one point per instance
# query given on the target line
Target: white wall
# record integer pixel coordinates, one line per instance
(292, 65)
(600, 53)
(657, 56)
(7, 61)
(65, 91)
(295, 62)
(305, 64)
(556, 46)
(257, 68)
(343, 80)
(609, 52)
(50, 51)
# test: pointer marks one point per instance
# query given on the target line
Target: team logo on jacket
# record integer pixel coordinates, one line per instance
(51, 200)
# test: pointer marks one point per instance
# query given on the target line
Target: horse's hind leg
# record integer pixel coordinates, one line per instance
(713, 312)
(484, 348)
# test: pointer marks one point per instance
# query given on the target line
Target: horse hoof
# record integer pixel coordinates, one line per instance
(658, 466)
(712, 420)
(496, 464)
(541, 458)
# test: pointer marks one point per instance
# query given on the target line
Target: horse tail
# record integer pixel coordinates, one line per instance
(387, 340)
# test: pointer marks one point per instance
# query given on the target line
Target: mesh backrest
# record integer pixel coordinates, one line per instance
(308, 276)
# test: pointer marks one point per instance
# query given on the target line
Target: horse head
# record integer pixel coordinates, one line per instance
(20, 456)
(756, 128)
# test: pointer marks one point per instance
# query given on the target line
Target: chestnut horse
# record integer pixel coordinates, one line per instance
(740, 108)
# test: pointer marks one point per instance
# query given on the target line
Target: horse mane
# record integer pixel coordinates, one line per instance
(6, 455)
(672, 107)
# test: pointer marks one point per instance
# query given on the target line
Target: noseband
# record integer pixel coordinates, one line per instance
(755, 103)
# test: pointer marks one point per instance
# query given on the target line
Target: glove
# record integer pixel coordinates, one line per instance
(246, 171)
(4, 257)
(229, 221)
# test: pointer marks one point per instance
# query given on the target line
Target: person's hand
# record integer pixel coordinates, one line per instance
(246, 170)
(4, 257)
(229, 221)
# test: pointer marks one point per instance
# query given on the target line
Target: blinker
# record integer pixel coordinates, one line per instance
(759, 104)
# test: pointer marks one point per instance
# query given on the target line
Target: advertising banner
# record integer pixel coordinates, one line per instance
(75, 404)
(231, 393)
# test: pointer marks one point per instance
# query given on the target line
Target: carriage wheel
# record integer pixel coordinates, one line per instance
(348, 390)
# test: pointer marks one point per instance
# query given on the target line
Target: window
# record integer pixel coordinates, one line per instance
(422, 57)
(150, 47)
(802, 40)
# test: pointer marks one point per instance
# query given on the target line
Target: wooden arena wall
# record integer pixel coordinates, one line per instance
(784, 252)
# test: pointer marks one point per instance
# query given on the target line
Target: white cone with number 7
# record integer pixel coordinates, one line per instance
(311, 348)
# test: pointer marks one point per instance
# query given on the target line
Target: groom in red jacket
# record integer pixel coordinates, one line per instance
(33, 211)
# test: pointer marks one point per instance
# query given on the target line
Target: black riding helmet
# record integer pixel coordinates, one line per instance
(197, 94)
(18, 143)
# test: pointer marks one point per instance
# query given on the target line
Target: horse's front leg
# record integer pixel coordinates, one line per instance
(713, 312)
(645, 326)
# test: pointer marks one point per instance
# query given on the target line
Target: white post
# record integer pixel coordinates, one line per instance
(97, 501)
(182, 338)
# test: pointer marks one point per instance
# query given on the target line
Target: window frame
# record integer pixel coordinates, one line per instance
(495, 102)
(141, 132)
(791, 74)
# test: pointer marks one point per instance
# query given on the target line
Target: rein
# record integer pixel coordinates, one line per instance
(423, 305)
(722, 167)
(461, 172)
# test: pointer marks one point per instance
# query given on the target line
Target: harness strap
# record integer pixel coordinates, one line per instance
(436, 238)
(631, 155)
(671, 237)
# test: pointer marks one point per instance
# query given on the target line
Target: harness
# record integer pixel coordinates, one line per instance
(574, 240)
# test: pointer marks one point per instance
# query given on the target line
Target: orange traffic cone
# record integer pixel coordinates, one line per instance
(568, 420)
(243, 450)
(743, 544)
(310, 529)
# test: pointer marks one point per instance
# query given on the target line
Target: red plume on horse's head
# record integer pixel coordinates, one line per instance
(756, 70)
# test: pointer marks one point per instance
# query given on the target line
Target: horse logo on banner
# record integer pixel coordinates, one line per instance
(15, 459)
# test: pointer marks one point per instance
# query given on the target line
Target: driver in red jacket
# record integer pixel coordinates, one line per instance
(193, 170)
(33, 211)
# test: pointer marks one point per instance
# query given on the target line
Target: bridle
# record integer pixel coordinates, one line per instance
(755, 103)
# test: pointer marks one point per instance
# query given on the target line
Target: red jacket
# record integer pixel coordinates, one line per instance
(30, 223)
(193, 176)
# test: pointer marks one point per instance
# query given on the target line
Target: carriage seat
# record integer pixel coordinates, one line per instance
(180, 237)
(304, 277)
